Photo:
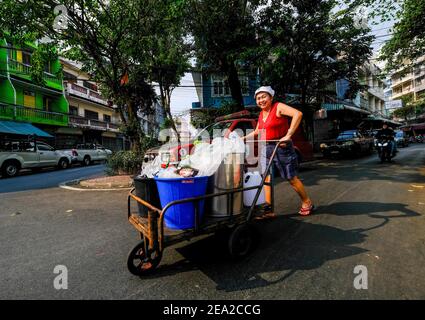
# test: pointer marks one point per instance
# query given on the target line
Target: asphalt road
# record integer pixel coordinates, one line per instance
(48, 178)
(369, 214)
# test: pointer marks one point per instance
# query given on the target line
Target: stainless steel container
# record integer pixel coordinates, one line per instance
(228, 176)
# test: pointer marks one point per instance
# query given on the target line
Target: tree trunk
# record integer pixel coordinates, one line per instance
(166, 104)
(235, 86)
(135, 133)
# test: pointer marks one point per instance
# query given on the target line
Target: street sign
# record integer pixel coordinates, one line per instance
(393, 104)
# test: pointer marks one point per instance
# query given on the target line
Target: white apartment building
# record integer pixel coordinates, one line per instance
(409, 81)
(374, 97)
(92, 119)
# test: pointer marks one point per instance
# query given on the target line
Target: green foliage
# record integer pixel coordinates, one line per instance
(309, 44)
(206, 117)
(408, 40)
(410, 108)
(166, 124)
(224, 34)
(124, 162)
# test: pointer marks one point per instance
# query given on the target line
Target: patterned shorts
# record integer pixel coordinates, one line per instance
(285, 161)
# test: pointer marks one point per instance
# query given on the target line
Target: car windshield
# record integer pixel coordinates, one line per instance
(214, 130)
(346, 135)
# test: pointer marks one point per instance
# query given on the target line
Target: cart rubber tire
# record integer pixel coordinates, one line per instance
(240, 241)
(139, 264)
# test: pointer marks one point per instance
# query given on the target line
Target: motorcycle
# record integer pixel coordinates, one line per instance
(419, 139)
(384, 147)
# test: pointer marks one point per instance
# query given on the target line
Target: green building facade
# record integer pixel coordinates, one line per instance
(21, 99)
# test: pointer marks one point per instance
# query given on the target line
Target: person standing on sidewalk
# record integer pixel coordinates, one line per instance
(273, 124)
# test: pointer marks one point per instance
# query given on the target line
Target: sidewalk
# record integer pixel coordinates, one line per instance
(110, 182)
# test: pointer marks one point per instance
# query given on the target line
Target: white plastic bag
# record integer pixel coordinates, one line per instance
(150, 169)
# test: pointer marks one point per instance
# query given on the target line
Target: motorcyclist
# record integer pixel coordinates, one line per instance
(389, 132)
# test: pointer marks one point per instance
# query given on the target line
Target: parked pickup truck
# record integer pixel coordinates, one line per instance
(17, 155)
(244, 122)
(86, 154)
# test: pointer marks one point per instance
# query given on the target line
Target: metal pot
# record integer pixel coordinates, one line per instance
(228, 176)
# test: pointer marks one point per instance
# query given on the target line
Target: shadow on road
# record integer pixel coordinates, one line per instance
(283, 247)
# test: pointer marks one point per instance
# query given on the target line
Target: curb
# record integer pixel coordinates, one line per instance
(64, 185)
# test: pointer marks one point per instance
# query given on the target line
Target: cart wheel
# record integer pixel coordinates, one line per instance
(139, 263)
(240, 241)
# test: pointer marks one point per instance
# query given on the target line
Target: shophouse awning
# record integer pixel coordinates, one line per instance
(341, 106)
(22, 128)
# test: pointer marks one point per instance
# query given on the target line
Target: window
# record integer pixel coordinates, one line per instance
(91, 115)
(73, 111)
(107, 118)
(220, 86)
(26, 58)
(29, 99)
(89, 85)
(48, 67)
(44, 147)
(244, 85)
(11, 52)
(47, 104)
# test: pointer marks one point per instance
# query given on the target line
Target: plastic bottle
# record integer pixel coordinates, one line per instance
(252, 179)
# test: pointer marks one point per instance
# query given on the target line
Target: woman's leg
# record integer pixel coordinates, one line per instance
(298, 186)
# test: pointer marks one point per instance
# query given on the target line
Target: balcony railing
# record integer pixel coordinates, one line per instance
(21, 69)
(21, 113)
(100, 124)
(82, 122)
(397, 81)
(85, 93)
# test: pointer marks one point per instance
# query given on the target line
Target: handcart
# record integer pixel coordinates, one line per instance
(155, 237)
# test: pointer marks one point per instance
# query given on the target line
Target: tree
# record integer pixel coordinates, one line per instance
(223, 32)
(307, 45)
(410, 108)
(170, 54)
(408, 40)
(115, 40)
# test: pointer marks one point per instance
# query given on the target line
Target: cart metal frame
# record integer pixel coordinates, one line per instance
(155, 237)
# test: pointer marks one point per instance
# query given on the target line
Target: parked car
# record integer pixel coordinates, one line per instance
(401, 138)
(244, 120)
(17, 155)
(348, 143)
(86, 154)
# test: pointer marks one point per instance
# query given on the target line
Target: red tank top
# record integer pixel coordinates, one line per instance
(274, 127)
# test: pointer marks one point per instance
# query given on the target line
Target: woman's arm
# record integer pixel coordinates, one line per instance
(252, 134)
(296, 115)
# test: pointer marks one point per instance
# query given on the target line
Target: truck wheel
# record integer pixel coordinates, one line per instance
(63, 163)
(10, 169)
(86, 161)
